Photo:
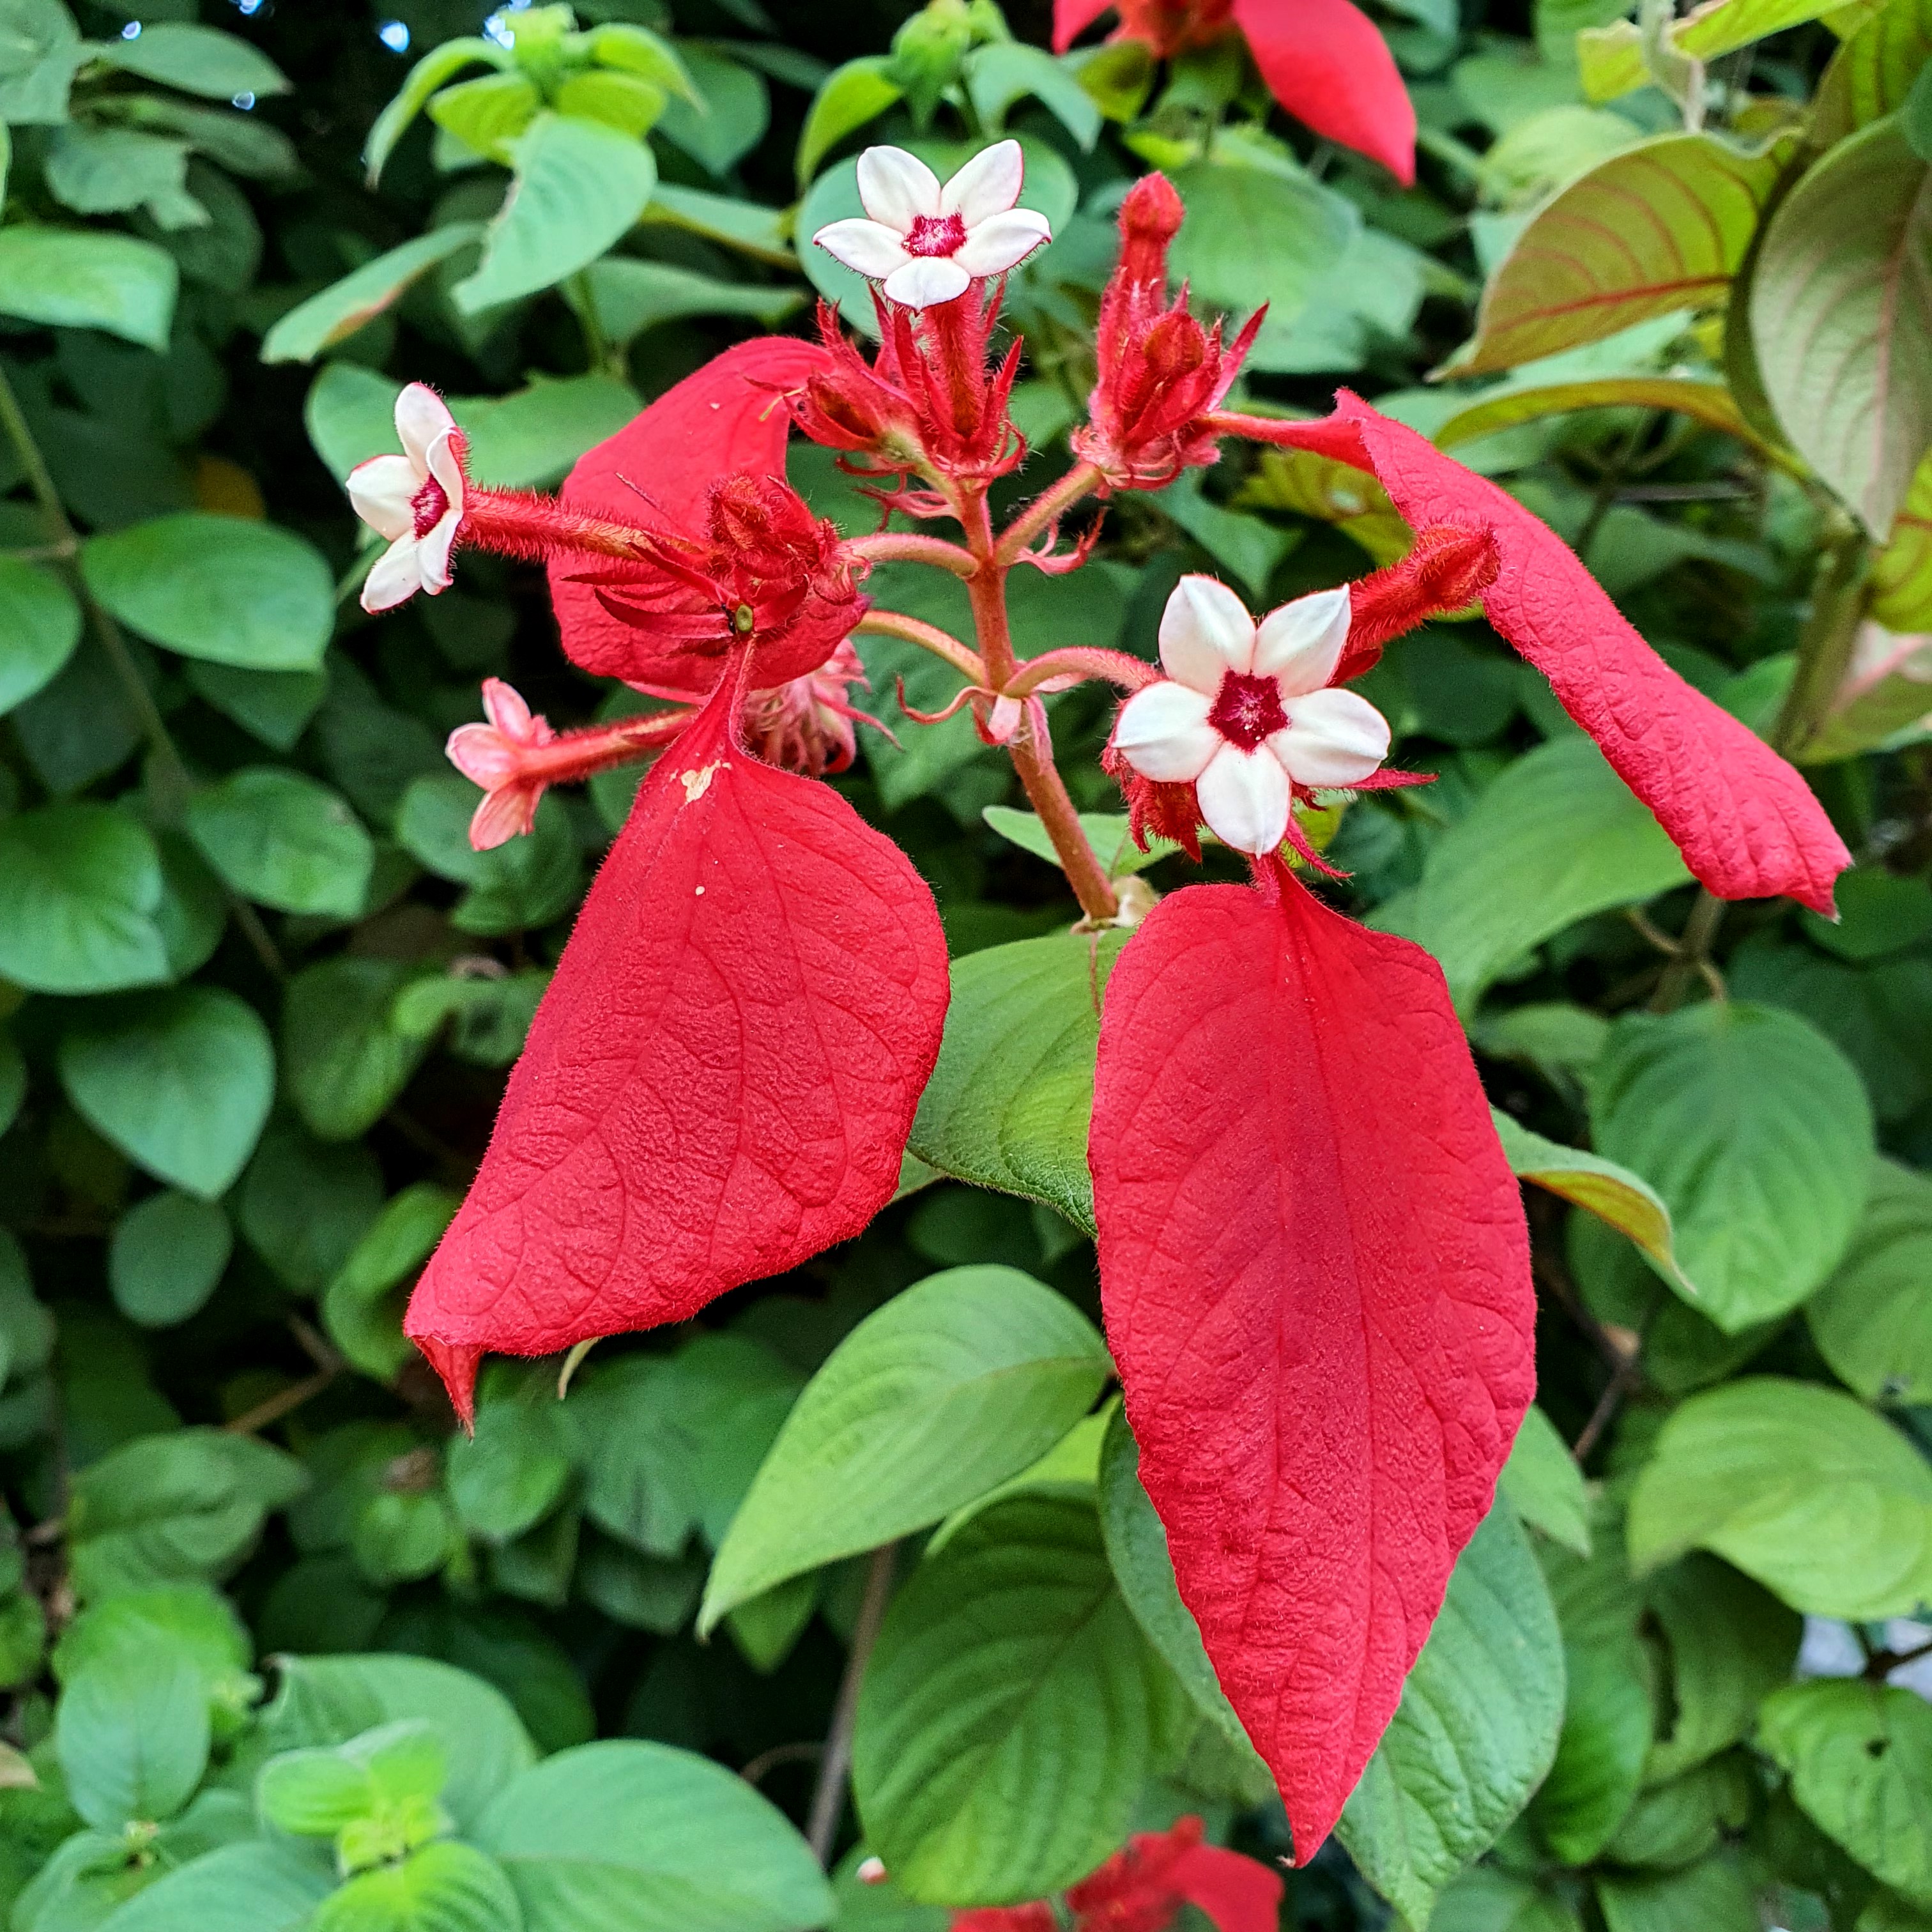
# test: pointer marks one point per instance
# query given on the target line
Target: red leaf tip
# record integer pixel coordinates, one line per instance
(456, 1362)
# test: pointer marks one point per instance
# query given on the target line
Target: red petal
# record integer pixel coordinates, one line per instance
(658, 471)
(1239, 1895)
(1325, 61)
(1072, 18)
(1747, 823)
(720, 1081)
(1316, 1274)
(1037, 1917)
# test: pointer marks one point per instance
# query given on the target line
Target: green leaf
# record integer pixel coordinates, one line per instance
(1714, 1897)
(26, 1328)
(976, 1725)
(1758, 1134)
(438, 65)
(1841, 319)
(328, 1700)
(1709, 404)
(360, 1310)
(1872, 1320)
(955, 1385)
(442, 1887)
(634, 49)
(342, 308)
(530, 437)
(486, 115)
(1255, 234)
(88, 278)
(1582, 269)
(736, 109)
(763, 233)
(1827, 1505)
(255, 1887)
(188, 1620)
(40, 621)
(282, 840)
(1615, 1194)
(1545, 1486)
(1002, 72)
(346, 1059)
(166, 1257)
(180, 1081)
(97, 170)
(1712, 30)
(512, 1471)
(175, 1508)
(1872, 74)
(304, 1205)
(628, 296)
(1107, 832)
(847, 98)
(315, 1791)
(1557, 837)
(1474, 1733)
(13, 1082)
(527, 882)
(627, 1836)
(1487, 1900)
(230, 589)
(1730, 1644)
(132, 1731)
(1008, 1104)
(579, 188)
(82, 906)
(198, 60)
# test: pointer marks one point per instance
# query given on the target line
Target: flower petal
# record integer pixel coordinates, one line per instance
(383, 491)
(444, 458)
(925, 280)
(1002, 241)
(397, 578)
(1244, 798)
(1164, 734)
(866, 247)
(1333, 738)
(421, 416)
(505, 813)
(503, 705)
(896, 188)
(1072, 18)
(1205, 632)
(433, 551)
(1301, 643)
(1326, 63)
(1315, 1275)
(989, 184)
(719, 1082)
(482, 753)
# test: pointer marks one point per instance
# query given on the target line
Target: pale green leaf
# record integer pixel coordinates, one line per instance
(1872, 1320)
(1544, 1485)
(339, 311)
(88, 278)
(39, 626)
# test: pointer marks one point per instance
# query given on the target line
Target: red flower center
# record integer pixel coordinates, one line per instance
(430, 504)
(936, 234)
(1247, 709)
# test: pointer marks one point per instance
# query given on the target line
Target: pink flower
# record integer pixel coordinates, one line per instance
(414, 499)
(928, 243)
(1246, 714)
(496, 756)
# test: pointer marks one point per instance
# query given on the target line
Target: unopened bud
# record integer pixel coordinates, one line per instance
(871, 1871)
(1150, 218)
(1446, 569)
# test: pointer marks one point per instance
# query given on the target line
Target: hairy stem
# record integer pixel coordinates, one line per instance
(1081, 481)
(906, 547)
(173, 780)
(928, 637)
(834, 1767)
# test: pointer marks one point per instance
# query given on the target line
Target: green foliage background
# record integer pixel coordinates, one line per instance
(277, 1649)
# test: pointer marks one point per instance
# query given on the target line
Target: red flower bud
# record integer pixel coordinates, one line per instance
(1446, 569)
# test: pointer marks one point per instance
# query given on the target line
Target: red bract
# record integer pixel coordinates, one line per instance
(1143, 1887)
(719, 1082)
(1324, 60)
(1316, 1275)
(701, 474)
(1748, 824)
(1160, 372)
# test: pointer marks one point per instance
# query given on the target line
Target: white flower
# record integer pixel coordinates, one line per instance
(1244, 710)
(928, 243)
(414, 499)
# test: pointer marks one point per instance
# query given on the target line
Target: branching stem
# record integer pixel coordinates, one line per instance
(834, 1767)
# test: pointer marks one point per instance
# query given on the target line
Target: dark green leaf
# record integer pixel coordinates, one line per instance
(1872, 1320)
(82, 904)
(347, 1058)
(41, 623)
(284, 841)
(167, 1256)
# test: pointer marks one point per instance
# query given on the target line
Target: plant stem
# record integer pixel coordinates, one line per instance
(1830, 631)
(1693, 952)
(942, 644)
(171, 769)
(604, 359)
(1079, 481)
(828, 1796)
(907, 547)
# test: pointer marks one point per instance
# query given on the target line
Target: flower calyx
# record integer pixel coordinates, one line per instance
(1161, 372)
(1246, 721)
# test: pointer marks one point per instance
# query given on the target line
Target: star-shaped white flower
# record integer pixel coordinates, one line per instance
(928, 243)
(414, 499)
(1244, 714)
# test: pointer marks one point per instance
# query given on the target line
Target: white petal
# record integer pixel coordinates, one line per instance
(445, 465)
(867, 247)
(1002, 241)
(896, 188)
(1333, 738)
(989, 184)
(421, 418)
(396, 578)
(383, 490)
(432, 553)
(1164, 734)
(927, 279)
(1301, 643)
(1205, 631)
(1244, 798)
